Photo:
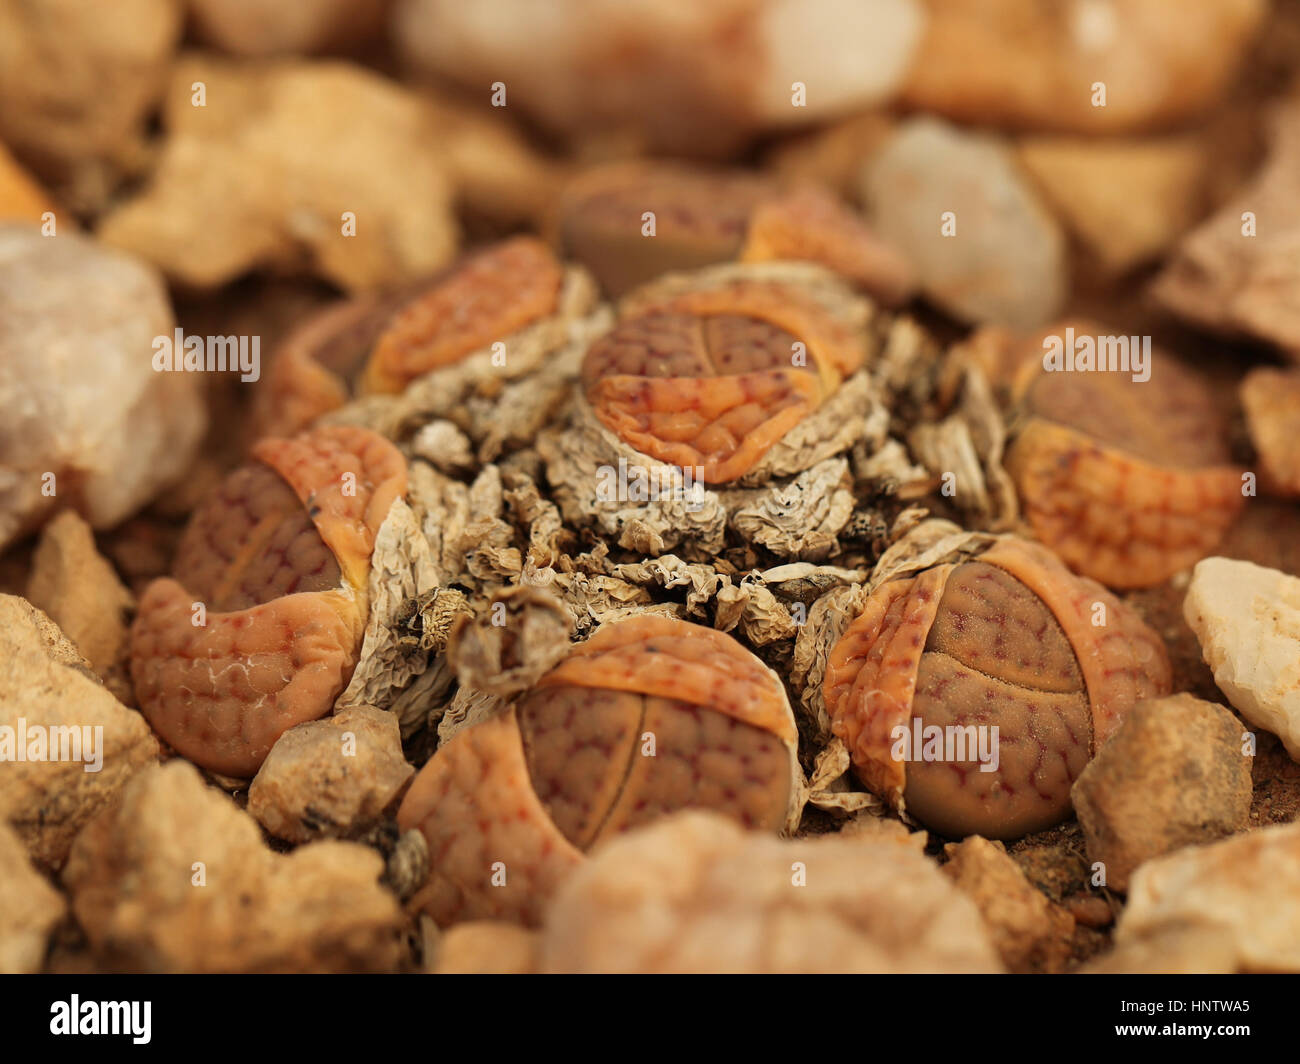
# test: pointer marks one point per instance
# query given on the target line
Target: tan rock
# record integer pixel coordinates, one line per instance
(77, 80)
(1174, 775)
(267, 27)
(1238, 272)
(486, 947)
(694, 893)
(176, 878)
(1247, 619)
(331, 777)
(652, 72)
(1029, 64)
(48, 696)
(1126, 201)
(279, 146)
(834, 154)
(21, 198)
(1225, 907)
(88, 424)
(1029, 932)
(983, 244)
(73, 583)
(1271, 401)
(29, 908)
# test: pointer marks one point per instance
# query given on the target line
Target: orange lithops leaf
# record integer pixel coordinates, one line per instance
(649, 716)
(1128, 480)
(260, 626)
(702, 216)
(713, 378)
(973, 695)
(492, 294)
(381, 343)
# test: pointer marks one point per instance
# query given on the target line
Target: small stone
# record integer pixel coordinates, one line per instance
(486, 947)
(267, 27)
(1238, 272)
(278, 146)
(1125, 200)
(77, 81)
(1030, 933)
(1024, 63)
(48, 696)
(176, 878)
(21, 198)
(1090, 910)
(88, 423)
(694, 893)
(1225, 907)
(1003, 259)
(664, 81)
(73, 583)
(332, 777)
(29, 908)
(1247, 619)
(1174, 775)
(1271, 401)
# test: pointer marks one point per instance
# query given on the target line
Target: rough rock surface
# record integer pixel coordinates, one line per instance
(1005, 259)
(1026, 63)
(278, 147)
(1174, 775)
(330, 777)
(29, 908)
(1247, 619)
(694, 893)
(1029, 932)
(1225, 907)
(1239, 272)
(664, 80)
(45, 685)
(177, 879)
(79, 590)
(1271, 401)
(79, 398)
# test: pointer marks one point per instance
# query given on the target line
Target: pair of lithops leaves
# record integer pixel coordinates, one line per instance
(1128, 480)
(972, 694)
(378, 344)
(650, 715)
(261, 623)
(710, 372)
(629, 223)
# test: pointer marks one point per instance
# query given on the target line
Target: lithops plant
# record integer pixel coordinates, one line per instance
(260, 625)
(1008, 639)
(632, 222)
(729, 377)
(650, 715)
(1129, 480)
(492, 316)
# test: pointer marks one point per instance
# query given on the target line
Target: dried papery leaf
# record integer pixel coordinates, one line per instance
(594, 599)
(799, 519)
(467, 707)
(829, 786)
(401, 573)
(444, 446)
(518, 637)
(589, 468)
(541, 516)
(804, 582)
(424, 700)
(765, 619)
(892, 464)
(829, 616)
(702, 581)
(925, 545)
(442, 507)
